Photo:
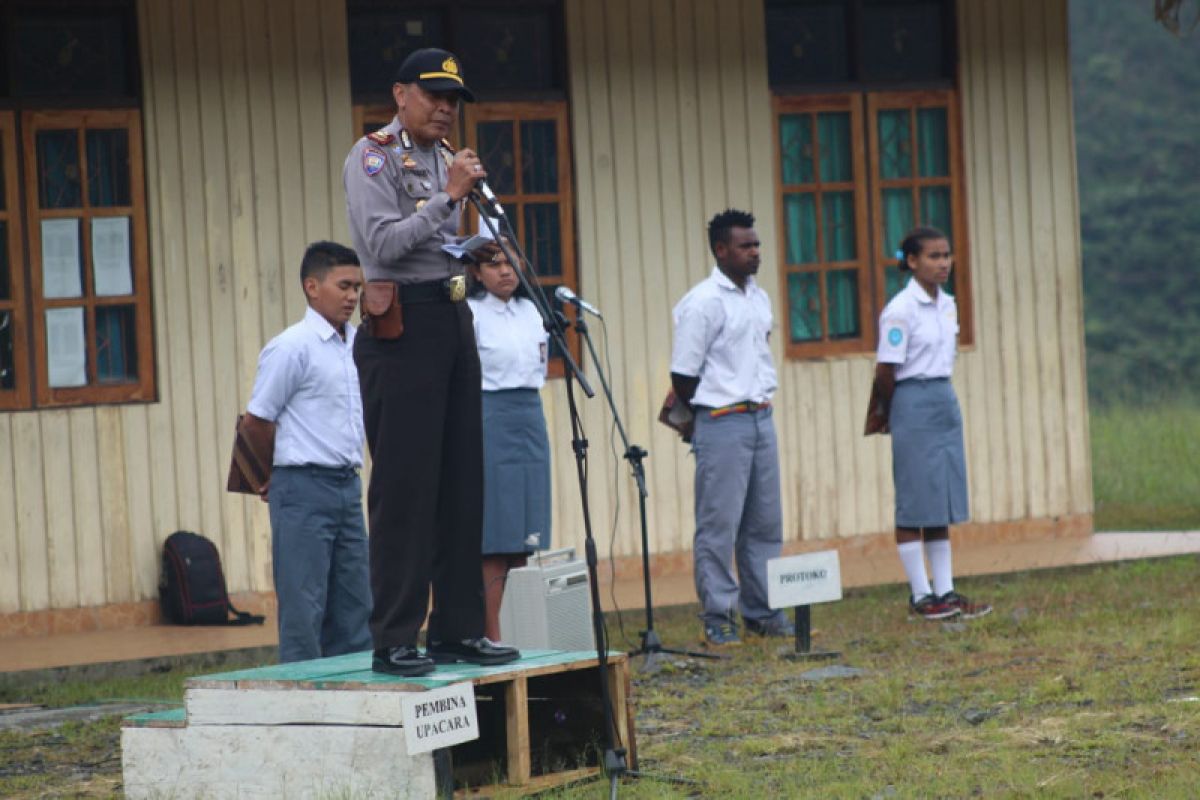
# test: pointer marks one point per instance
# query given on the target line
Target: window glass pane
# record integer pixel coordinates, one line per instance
(895, 144)
(112, 273)
(66, 351)
(903, 41)
(833, 138)
(5, 278)
(496, 152)
(800, 219)
(381, 40)
(894, 280)
(8, 369)
(795, 147)
(539, 157)
(517, 51)
(935, 207)
(62, 263)
(804, 306)
(59, 184)
(108, 167)
(116, 344)
(842, 286)
(897, 220)
(933, 154)
(807, 42)
(543, 239)
(837, 212)
(74, 53)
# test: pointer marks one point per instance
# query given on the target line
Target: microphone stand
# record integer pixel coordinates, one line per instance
(651, 645)
(615, 764)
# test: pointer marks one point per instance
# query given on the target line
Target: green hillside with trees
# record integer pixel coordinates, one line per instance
(1137, 124)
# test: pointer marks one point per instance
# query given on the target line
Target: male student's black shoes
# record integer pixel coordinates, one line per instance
(482, 651)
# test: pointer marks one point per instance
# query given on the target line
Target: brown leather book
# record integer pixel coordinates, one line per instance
(253, 454)
(875, 423)
(675, 415)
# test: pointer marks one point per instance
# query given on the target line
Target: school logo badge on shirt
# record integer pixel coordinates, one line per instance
(373, 161)
(895, 337)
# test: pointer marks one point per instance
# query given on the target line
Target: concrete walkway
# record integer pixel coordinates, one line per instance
(74, 652)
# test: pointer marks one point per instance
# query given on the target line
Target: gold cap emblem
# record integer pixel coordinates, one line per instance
(451, 66)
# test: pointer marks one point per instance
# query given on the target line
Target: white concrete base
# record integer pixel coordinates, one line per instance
(248, 762)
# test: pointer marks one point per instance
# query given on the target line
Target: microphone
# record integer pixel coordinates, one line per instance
(485, 190)
(567, 296)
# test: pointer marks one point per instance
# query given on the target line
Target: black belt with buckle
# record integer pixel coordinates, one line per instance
(448, 290)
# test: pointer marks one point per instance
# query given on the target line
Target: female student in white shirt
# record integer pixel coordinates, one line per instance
(513, 355)
(918, 340)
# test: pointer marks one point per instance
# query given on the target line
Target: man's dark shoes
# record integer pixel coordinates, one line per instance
(405, 660)
(776, 628)
(967, 609)
(932, 607)
(482, 651)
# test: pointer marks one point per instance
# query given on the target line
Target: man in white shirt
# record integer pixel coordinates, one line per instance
(721, 367)
(307, 389)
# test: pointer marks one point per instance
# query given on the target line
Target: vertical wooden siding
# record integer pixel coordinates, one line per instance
(247, 121)
(671, 123)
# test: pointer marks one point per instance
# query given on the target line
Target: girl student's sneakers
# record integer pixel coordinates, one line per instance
(932, 607)
(966, 608)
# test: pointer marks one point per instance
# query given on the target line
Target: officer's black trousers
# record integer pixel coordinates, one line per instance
(421, 404)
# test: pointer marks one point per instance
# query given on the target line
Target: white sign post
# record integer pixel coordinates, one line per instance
(439, 718)
(799, 581)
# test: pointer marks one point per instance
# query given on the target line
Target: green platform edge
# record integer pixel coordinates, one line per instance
(355, 668)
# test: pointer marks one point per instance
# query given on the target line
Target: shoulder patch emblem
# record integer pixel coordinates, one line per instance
(381, 137)
(895, 336)
(373, 161)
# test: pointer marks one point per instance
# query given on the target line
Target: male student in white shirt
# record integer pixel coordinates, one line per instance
(721, 367)
(307, 388)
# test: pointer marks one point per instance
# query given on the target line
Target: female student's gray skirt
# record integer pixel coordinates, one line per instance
(516, 473)
(928, 465)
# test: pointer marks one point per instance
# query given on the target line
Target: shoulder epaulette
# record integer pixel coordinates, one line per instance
(381, 137)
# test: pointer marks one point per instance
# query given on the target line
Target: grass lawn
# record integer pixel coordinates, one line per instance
(1146, 466)
(1083, 683)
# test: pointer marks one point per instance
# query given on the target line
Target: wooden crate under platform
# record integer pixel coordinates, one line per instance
(332, 728)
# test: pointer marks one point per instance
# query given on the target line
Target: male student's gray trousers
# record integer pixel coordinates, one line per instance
(737, 510)
(319, 554)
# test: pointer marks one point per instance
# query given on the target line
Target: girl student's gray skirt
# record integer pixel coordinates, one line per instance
(929, 467)
(516, 473)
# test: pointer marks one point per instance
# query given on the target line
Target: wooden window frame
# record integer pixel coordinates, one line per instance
(815, 104)
(874, 254)
(912, 102)
(143, 389)
(19, 396)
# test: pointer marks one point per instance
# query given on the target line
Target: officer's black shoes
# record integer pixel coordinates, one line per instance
(480, 651)
(405, 660)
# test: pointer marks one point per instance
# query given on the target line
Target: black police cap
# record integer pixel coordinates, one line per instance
(434, 70)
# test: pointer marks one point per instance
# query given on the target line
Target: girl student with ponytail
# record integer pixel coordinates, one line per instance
(914, 400)
(513, 356)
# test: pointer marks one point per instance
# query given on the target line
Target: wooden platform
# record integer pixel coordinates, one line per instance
(332, 728)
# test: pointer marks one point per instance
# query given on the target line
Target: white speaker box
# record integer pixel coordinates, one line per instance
(547, 604)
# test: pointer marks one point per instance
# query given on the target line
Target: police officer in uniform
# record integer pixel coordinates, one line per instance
(420, 376)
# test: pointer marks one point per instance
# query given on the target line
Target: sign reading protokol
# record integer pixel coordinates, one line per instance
(804, 579)
(439, 718)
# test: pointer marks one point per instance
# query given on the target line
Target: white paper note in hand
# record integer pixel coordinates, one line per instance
(468, 246)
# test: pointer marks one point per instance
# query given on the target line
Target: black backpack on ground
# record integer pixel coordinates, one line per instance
(191, 586)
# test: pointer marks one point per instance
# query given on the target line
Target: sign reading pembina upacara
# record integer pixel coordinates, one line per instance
(804, 579)
(439, 718)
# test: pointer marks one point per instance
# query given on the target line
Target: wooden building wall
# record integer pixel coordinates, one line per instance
(247, 120)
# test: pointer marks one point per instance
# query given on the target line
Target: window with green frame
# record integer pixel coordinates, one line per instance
(855, 173)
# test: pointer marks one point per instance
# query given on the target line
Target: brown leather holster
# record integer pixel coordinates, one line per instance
(381, 310)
